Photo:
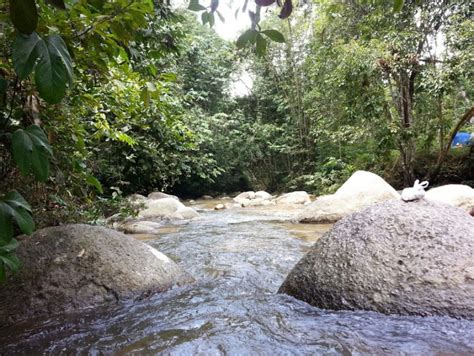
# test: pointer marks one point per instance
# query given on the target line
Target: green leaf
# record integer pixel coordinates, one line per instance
(11, 246)
(205, 18)
(274, 35)
(24, 54)
(22, 147)
(398, 5)
(6, 222)
(211, 18)
(12, 262)
(93, 181)
(15, 199)
(24, 15)
(40, 164)
(24, 221)
(220, 16)
(57, 46)
(194, 5)
(261, 45)
(39, 138)
(247, 37)
(31, 151)
(57, 3)
(13, 205)
(54, 69)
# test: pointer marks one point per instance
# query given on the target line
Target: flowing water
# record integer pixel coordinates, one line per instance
(239, 257)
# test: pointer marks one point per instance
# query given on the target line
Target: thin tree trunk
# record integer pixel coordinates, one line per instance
(433, 174)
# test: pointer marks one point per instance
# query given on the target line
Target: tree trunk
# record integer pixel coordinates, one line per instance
(433, 174)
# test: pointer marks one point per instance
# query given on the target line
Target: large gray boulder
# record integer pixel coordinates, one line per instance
(392, 257)
(79, 266)
(458, 195)
(359, 191)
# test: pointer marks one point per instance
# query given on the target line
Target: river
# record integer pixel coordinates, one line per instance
(239, 257)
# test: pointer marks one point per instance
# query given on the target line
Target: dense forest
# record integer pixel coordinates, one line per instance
(101, 99)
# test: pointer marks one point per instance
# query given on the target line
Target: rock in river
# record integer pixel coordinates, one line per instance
(299, 197)
(458, 195)
(393, 257)
(79, 266)
(359, 191)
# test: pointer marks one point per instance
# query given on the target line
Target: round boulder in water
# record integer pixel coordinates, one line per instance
(395, 258)
(79, 266)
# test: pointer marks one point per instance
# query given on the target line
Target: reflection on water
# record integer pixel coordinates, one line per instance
(240, 258)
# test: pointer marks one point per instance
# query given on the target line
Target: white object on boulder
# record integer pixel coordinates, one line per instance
(219, 207)
(298, 197)
(359, 191)
(458, 195)
(416, 192)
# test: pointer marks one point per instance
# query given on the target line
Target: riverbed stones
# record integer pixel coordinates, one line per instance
(80, 266)
(359, 191)
(395, 258)
(458, 195)
(298, 197)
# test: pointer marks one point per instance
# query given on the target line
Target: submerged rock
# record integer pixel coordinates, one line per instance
(359, 191)
(392, 257)
(299, 197)
(80, 266)
(458, 195)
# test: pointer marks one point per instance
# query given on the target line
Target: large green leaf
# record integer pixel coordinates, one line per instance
(10, 247)
(31, 151)
(247, 37)
(24, 15)
(25, 54)
(194, 5)
(15, 199)
(14, 207)
(261, 46)
(93, 181)
(274, 35)
(6, 223)
(12, 262)
(54, 69)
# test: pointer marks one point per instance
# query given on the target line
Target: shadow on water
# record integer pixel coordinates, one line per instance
(239, 258)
